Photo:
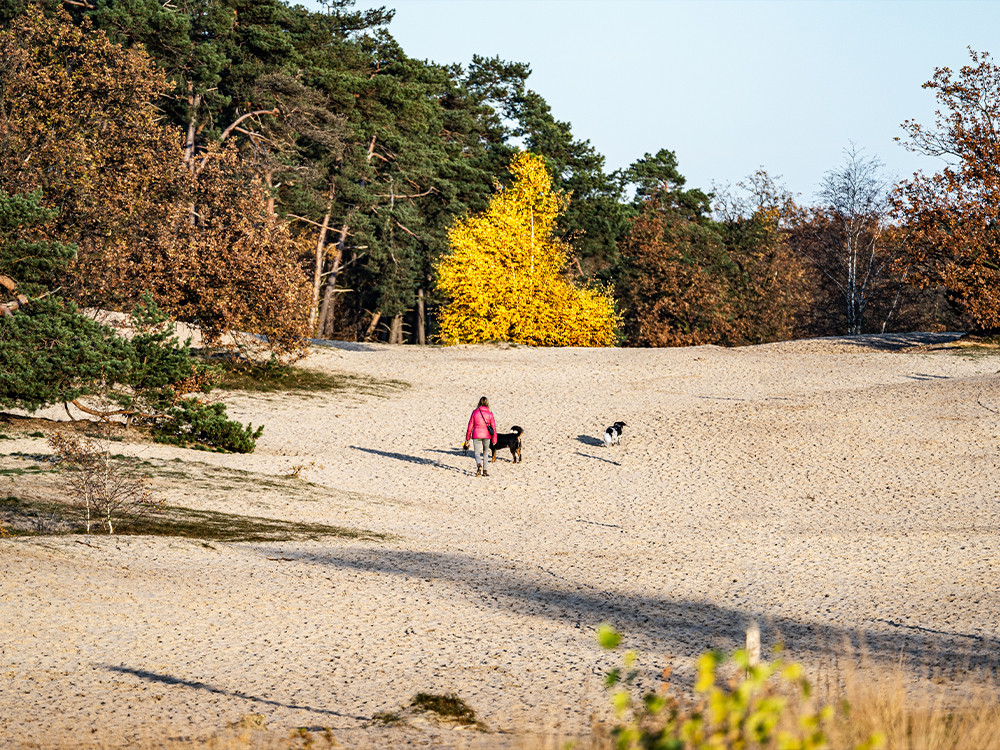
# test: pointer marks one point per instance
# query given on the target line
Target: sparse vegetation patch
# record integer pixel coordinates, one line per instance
(448, 707)
(301, 381)
(22, 517)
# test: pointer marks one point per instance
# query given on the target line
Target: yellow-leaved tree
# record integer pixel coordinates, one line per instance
(503, 275)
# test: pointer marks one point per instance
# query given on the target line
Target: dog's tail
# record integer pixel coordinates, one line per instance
(516, 430)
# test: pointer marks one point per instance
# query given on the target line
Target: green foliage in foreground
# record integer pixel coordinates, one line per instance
(51, 354)
(769, 708)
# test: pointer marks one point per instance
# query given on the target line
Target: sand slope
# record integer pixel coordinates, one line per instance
(827, 488)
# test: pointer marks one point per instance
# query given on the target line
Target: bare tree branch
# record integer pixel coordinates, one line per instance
(407, 231)
(241, 118)
(428, 191)
(105, 414)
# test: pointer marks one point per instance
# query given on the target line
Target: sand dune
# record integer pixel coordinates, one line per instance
(832, 489)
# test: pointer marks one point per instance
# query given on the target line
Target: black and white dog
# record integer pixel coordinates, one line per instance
(613, 435)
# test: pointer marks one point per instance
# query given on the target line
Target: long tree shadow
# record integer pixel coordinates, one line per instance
(166, 679)
(409, 459)
(677, 625)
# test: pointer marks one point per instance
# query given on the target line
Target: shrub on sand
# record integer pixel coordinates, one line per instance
(772, 705)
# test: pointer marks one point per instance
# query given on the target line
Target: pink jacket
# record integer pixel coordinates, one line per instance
(477, 425)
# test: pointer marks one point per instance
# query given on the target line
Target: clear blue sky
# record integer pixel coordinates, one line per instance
(729, 86)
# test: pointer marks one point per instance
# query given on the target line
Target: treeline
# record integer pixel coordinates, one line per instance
(260, 168)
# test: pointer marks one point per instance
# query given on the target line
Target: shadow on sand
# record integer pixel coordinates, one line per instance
(411, 459)
(347, 346)
(165, 679)
(598, 458)
(672, 624)
(894, 342)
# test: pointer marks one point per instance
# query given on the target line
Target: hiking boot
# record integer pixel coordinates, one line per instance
(479, 471)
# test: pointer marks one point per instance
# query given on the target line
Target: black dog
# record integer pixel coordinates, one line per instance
(511, 440)
(613, 435)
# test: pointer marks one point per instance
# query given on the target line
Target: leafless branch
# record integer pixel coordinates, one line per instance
(303, 218)
(407, 231)
(428, 191)
(254, 136)
(241, 118)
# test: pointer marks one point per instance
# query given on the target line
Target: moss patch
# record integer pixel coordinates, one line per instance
(227, 527)
(34, 517)
(448, 707)
(439, 709)
(19, 471)
(970, 345)
(388, 718)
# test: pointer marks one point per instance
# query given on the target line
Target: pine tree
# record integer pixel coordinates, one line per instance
(50, 353)
(33, 262)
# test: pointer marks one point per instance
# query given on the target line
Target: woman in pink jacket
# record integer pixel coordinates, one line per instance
(482, 430)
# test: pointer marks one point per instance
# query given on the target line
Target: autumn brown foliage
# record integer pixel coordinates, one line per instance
(676, 294)
(692, 280)
(78, 120)
(953, 216)
(771, 281)
(220, 259)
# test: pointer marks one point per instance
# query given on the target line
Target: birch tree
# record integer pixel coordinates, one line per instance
(848, 237)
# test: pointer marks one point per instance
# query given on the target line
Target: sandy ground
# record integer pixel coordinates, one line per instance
(835, 490)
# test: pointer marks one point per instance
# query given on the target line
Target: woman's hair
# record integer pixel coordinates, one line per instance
(484, 402)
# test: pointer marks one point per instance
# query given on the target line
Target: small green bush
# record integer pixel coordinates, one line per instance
(195, 423)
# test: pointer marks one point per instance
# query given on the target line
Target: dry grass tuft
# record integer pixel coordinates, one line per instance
(879, 699)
